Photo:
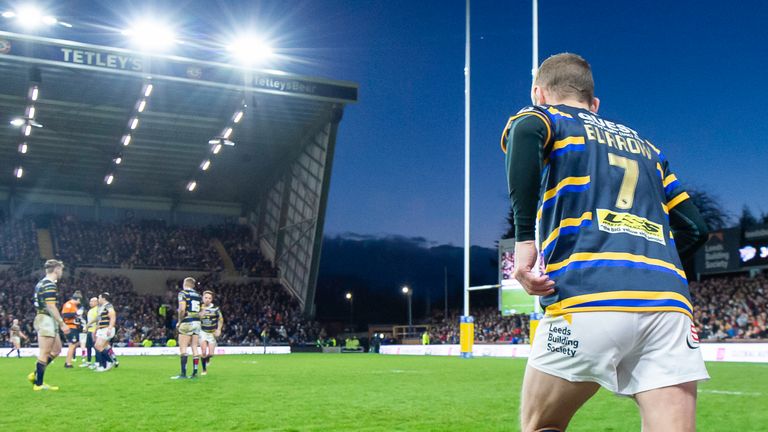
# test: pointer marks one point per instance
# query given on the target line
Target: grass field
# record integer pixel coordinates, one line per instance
(333, 392)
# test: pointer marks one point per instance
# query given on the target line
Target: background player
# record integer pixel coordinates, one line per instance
(47, 320)
(69, 314)
(606, 207)
(190, 303)
(83, 330)
(105, 332)
(92, 321)
(16, 335)
(212, 323)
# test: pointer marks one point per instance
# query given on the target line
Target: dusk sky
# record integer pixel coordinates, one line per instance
(686, 75)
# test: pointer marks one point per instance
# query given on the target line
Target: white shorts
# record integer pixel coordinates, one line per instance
(207, 337)
(190, 328)
(45, 326)
(104, 333)
(83, 337)
(16, 341)
(625, 352)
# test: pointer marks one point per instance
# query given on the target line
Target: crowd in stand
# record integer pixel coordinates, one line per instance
(734, 307)
(151, 244)
(18, 240)
(490, 327)
(244, 252)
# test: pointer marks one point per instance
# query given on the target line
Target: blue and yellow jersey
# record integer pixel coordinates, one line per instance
(103, 314)
(603, 216)
(45, 293)
(209, 318)
(193, 301)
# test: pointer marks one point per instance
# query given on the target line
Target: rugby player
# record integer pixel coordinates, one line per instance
(92, 322)
(16, 334)
(105, 331)
(69, 313)
(212, 323)
(188, 325)
(47, 323)
(611, 222)
(83, 331)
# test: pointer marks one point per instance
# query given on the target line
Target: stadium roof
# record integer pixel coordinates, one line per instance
(89, 96)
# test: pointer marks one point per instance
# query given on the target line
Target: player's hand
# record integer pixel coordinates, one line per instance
(216, 333)
(64, 328)
(525, 259)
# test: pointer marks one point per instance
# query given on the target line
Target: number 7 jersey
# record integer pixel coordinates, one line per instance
(603, 217)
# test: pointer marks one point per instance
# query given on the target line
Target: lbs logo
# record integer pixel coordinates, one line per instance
(627, 223)
(693, 338)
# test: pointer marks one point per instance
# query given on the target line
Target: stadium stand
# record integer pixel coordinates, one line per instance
(17, 240)
(490, 327)
(731, 307)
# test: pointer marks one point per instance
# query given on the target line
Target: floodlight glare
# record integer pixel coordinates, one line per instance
(250, 50)
(148, 90)
(18, 172)
(49, 20)
(109, 179)
(34, 93)
(27, 129)
(227, 133)
(205, 165)
(23, 148)
(118, 160)
(8, 14)
(348, 296)
(142, 105)
(191, 185)
(31, 112)
(149, 35)
(238, 117)
(29, 16)
(126, 139)
(406, 290)
(17, 122)
(134, 123)
(217, 149)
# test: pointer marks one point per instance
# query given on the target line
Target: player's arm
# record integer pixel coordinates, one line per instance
(526, 139)
(221, 325)
(49, 296)
(112, 318)
(182, 311)
(688, 226)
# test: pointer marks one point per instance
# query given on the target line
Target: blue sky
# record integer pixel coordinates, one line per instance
(687, 75)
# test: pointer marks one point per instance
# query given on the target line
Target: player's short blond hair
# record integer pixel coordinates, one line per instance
(208, 292)
(52, 265)
(190, 282)
(567, 76)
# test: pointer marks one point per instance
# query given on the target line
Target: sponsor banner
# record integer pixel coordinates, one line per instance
(712, 352)
(720, 253)
(158, 351)
(616, 222)
(754, 247)
(106, 58)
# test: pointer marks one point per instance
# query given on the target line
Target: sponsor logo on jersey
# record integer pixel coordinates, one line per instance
(627, 223)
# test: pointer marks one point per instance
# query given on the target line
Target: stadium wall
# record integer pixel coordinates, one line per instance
(715, 352)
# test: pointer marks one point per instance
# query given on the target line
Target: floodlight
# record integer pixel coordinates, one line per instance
(109, 179)
(23, 148)
(8, 14)
(227, 133)
(126, 139)
(118, 160)
(31, 112)
(18, 172)
(29, 16)
(142, 105)
(134, 123)
(250, 50)
(49, 20)
(27, 129)
(205, 165)
(191, 186)
(17, 122)
(148, 90)
(217, 149)
(406, 290)
(149, 35)
(348, 296)
(34, 93)
(238, 117)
